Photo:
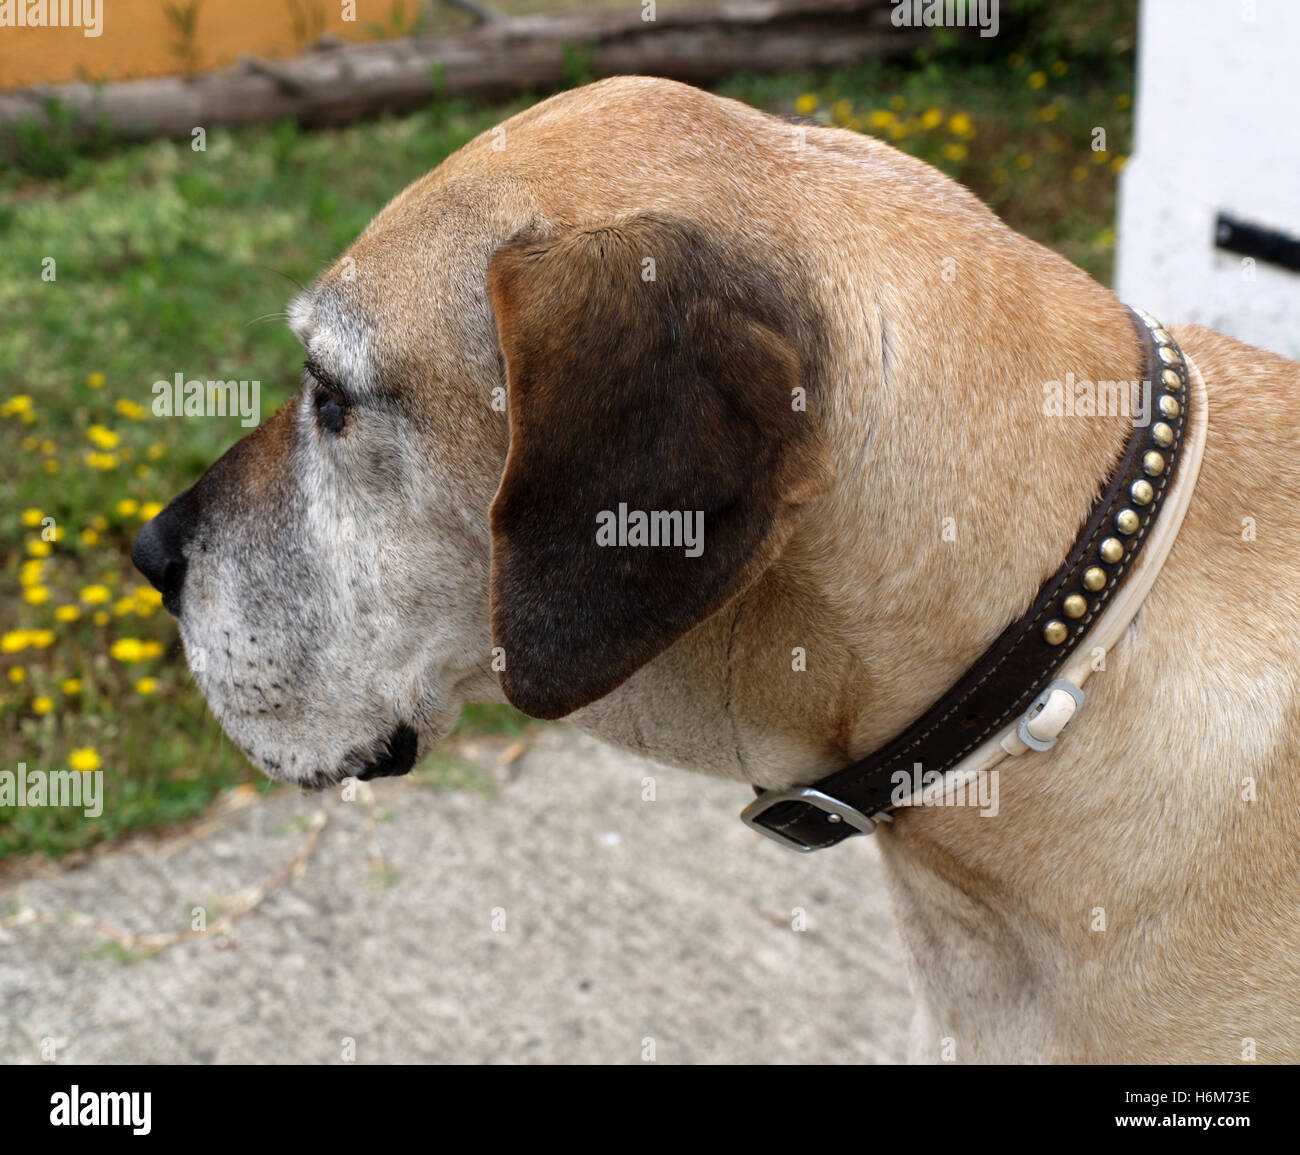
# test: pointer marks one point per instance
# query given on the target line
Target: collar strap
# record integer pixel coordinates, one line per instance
(1024, 689)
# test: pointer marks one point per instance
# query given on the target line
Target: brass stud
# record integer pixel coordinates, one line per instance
(1153, 463)
(1161, 337)
(1075, 606)
(1126, 521)
(1112, 549)
(1054, 633)
(1170, 380)
(1141, 492)
(1169, 407)
(1094, 577)
(1168, 356)
(1162, 434)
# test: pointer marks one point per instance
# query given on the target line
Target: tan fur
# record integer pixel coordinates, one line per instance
(942, 327)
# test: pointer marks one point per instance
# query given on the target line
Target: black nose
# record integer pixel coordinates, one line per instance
(158, 554)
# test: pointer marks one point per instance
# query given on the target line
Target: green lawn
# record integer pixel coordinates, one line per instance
(168, 260)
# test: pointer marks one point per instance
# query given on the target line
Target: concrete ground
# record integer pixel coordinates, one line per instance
(553, 917)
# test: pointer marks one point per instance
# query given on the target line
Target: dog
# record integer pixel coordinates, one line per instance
(636, 298)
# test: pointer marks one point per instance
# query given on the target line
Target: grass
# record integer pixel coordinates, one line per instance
(127, 267)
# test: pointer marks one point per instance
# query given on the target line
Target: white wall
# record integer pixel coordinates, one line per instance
(1217, 129)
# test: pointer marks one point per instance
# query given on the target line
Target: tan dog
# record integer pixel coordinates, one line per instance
(838, 356)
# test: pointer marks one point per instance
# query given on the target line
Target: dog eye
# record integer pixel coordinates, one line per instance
(331, 411)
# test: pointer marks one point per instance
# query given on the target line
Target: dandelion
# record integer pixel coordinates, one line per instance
(931, 118)
(129, 409)
(89, 537)
(806, 103)
(155, 451)
(14, 642)
(954, 152)
(1123, 100)
(36, 595)
(127, 649)
(103, 437)
(41, 639)
(124, 606)
(95, 595)
(1117, 165)
(67, 614)
(100, 618)
(29, 573)
(99, 522)
(1107, 238)
(151, 649)
(84, 760)
(18, 675)
(32, 518)
(50, 465)
(104, 461)
(150, 509)
(146, 685)
(1036, 79)
(42, 705)
(48, 447)
(39, 548)
(96, 380)
(959, 124)
(881, 118)
(70, 685)
(842, 111)
(16, 406)
(148, 596)
(127, 507)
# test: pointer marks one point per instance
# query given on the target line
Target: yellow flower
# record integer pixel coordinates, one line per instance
(29, 444)
(96, 380)
(881, 118)
(151, 649)
(1060, 68)
(123, 606)
(148, 596)
(954, 151)
(103, 461)
(48, 447)
(84, 760)
(99, 617)
(14, 642)
(842, 111)
(1107, 238)
(155, 451)
(36, 595)
(32, 517)
(42, 705)
(1123, 100)
(129, 409)
(1037, 79)
(41, 639)
(127, 507)
(931, 118)
(50, 465)
(150, 509)
(103, 437)
(18, 675)
(146, 685)
(16, 405)
(1100, 157)
(959, 124)
(70, 685)
(1078, 173)
(29, 573)
(99, 522)
(67, 614)
(89, 537)
(39, 548)
(127, 649)
(95, 595)
(1117, 165)
(806, 103)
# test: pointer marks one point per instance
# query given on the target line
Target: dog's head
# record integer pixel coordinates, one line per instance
(509, 357)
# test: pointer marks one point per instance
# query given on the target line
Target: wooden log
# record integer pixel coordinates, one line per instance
(495, 59)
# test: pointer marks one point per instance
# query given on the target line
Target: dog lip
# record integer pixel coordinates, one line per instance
(397, 759)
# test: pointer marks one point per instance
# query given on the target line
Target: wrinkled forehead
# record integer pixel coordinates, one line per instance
(336, 332)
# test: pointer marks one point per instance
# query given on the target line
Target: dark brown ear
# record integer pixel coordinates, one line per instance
(650, 370)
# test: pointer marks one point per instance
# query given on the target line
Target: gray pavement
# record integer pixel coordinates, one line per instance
(555, 917)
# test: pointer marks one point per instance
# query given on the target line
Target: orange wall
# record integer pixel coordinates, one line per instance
(138, 38)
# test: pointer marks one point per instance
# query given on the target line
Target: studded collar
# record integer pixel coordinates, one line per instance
(1023, 690)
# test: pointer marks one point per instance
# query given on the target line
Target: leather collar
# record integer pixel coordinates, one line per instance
(1025, 687)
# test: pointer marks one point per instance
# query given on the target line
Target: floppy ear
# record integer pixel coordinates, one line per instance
(653, 369)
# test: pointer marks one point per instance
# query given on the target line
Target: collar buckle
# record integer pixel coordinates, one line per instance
(836, 812)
